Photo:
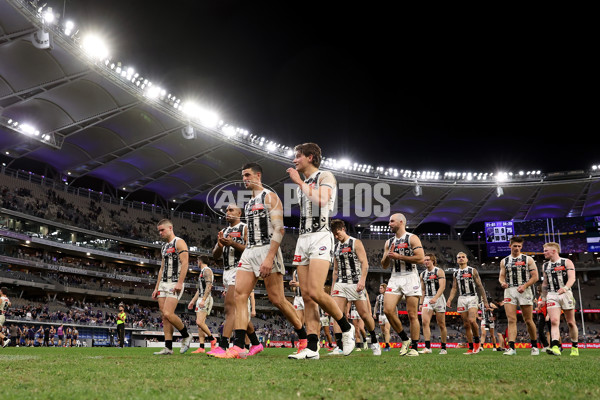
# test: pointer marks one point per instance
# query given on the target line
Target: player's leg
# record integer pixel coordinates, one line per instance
(364, 311)
(390, 302)
(440, 318)
(426, 313)
(511, 317)
(464, 315)
(412, 307)
(573, 331)
(554, 313)
(527, 311)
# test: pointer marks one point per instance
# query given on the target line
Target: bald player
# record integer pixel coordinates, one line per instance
(402, 253)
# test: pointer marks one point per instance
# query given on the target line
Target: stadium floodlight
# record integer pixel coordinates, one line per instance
(187, 133)
(499, 191)
(95, 47)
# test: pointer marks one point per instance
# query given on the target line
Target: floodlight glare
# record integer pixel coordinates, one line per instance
(95, 47)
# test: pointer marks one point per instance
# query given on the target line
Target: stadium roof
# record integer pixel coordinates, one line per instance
(90, 116)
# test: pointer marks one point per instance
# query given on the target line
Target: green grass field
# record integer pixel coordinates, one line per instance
(134, 373)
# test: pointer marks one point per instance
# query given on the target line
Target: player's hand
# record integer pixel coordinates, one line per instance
(521, 289)
(448, 304)
(394, 256)
(360, 286)
(504, 285)
(294, 175)
(488, 308)
(155, 294)
(178, 287)
(265, 268)
(420, 307)
(433, 300)
(190, 306)
(293, 283)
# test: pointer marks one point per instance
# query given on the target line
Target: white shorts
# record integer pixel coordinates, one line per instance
(166, 289)
(253, 257)
(354, 314)
(564, 301)
(229, 277)
(404, 285)
(439, 306)
(298, 303)
(324, 321)
(2, 319)
(465, 303)
(207, 305)
(486, 326)
(512, 296)
(383, 319)
(317, 245)
(348, 291)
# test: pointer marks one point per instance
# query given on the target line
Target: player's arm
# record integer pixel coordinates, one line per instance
(442, 281)
(570, 276)
(480, 288)
(452, 292)
(418, 256)
(385, 260)
(194, 299)
(422, 298)
(218, 249)
(184, 256)
(364, 263)
(209, 284)
(275, 210)
(160, 274)
(544, 288)
(334, 274)
(502, 277)
(534, 276)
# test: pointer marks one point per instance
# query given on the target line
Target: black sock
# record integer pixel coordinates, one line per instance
(415, 345)
(475, 339)
(209, 338)
(224, 343)
(338, 340)
(534, 344)
(575, 344)
(470, 346)
(253, 339)
(443, 346)
(184, 332)
(511, 345)
(554, 343)
(428, 344)
(403, 336)
(344, 324)
(373, 337)
(169, 344)
(387, 345)
(240, 338)
(312, 342)
(301, 333)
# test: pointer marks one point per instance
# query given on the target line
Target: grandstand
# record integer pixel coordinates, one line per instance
(82, 192)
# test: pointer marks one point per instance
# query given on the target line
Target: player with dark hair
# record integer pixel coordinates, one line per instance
(433, 284)
(313, 254)
(261, 258)
(349, 277)
(170, 284)
(467, 284)
(379, 315)
(202, 303)
(518, 273)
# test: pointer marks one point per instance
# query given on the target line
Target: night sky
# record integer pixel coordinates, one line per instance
(452, 89)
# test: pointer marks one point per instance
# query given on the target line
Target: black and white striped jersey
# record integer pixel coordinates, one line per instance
(401, 245)
(379, 304)
(431, 280)
(202, 281)
(312, 217)
(466, 282)
(260, 227)
(349, 266)
(231, 256)
(517, 270)
(172, 263)
(556, 272)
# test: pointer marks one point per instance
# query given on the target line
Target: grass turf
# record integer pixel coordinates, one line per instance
(134, 373)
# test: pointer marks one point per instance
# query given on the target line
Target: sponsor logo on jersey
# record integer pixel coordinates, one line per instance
(235, 234)
(297, 258)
